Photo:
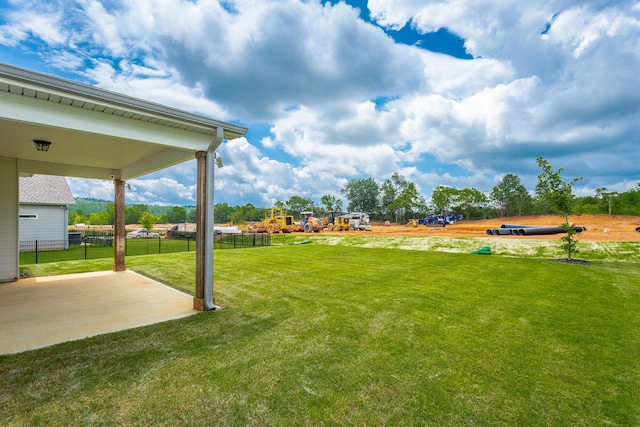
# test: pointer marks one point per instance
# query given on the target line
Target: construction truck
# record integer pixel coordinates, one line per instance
(182, 231)
(440, 220)
(310, 223)
(275, 220)
(358, 221)
(340, 223)
(336, 222)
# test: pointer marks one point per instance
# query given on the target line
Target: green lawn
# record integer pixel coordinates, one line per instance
(341, 335)
(133, 247)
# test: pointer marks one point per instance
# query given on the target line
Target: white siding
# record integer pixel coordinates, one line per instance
(9, 269)
(50, 223)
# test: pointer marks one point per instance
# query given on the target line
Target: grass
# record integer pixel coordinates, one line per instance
(342, 335)
(133, 247)
(543, 249)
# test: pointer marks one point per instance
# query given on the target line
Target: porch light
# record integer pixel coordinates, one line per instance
(42, 145)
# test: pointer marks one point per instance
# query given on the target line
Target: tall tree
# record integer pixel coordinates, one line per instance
(409, 202)
(192, 215)
(443, 197)
(390, 193)
(510, 195)
(297, 204)
(362, 195)
(177, 214)
(607, 196)
(331, 203)
(245, 213)
(470, 198)
(222, 213)
(131, 215)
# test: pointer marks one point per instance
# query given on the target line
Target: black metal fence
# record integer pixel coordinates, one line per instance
(94, 247)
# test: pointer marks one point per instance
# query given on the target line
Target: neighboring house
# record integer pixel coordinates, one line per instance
(43, 210)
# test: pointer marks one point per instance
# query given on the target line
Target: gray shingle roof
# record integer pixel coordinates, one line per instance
(45, 190)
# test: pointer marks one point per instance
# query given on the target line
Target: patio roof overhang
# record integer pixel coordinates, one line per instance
(95, 133)
(100, 134)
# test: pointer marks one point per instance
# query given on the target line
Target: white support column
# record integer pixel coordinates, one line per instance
(209, 258)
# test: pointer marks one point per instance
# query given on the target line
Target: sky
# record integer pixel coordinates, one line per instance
(443, 92)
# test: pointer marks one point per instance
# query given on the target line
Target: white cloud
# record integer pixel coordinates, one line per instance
(555, 79)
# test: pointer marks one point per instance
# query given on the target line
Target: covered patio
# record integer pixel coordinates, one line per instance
(55, 126)
(42, 311)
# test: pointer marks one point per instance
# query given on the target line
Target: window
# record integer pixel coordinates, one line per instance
(28, 216)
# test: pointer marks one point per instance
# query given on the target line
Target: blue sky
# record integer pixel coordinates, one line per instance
(447, 92)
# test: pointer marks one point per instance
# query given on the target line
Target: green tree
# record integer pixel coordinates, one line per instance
(297, 204)
(443, 197)
(470, 198)
(392, 201)
(247, 212)
(362, 195)
(607, 196)
(629, 202)
(105, 217)
(131, 215)
(510, 195)
(589, 205)
(148, 220)
(412, 203)
(75, 218)
(558, 195)
(191, 216)
(222, 213)
(177, 214)
(331, 203)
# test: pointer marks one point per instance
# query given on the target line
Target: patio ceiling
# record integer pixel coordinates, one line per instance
(95, 133)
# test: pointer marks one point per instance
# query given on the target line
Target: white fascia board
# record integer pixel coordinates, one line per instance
(38, 82)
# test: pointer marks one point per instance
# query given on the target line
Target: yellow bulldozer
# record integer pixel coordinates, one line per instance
(275, 220)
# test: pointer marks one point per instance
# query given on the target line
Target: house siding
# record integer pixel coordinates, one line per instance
(50, 224)
(9, 269)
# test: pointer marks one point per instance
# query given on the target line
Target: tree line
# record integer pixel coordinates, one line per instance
(396, 200)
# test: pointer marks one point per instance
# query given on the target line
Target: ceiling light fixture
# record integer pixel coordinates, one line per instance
(42, 145)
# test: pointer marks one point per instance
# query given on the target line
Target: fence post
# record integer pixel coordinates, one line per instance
(85, 248)
(36, 251)
(159, 245)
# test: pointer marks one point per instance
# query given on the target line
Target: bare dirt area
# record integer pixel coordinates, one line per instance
(599, 228)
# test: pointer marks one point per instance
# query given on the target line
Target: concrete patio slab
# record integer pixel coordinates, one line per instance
(41, 311)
